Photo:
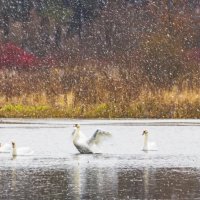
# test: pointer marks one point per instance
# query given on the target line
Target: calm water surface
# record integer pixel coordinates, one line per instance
(57, 171)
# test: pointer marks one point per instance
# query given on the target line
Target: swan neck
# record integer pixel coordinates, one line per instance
(14, 151)
(77, 134)
(145, 142)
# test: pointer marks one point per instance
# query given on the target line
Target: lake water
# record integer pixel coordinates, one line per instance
(123, 171)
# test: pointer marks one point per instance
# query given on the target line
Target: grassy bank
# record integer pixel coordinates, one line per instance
(163, 104)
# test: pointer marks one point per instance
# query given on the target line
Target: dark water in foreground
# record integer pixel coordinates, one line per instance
(100, 183)
(103, 183)
(123, 171)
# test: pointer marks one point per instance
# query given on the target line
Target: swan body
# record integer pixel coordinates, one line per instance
(85, 145)
(148, 146)
(5, 148)
(22, 151)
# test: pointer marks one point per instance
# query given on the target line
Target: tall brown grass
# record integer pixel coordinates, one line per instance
(163, 104)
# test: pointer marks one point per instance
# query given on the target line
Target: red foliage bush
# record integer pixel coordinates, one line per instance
(15, 57)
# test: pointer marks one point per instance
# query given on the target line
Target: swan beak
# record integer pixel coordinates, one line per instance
(143, 133)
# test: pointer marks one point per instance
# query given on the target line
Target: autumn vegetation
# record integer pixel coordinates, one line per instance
(96, 58)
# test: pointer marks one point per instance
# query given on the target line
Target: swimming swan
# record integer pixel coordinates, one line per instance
(5, 148)
(148, 146)
(22, 151)
(85, 145)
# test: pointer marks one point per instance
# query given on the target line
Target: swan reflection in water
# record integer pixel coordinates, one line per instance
(93, 182)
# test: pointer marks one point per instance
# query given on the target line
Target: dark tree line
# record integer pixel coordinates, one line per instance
(67, 13)
(71, 17)
(106, 49)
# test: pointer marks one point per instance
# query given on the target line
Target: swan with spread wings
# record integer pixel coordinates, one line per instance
(85, 145)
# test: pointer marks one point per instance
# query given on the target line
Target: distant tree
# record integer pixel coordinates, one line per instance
(58, 12)
(162, 60)
(83, 11)
(5, 18)
(17, 10)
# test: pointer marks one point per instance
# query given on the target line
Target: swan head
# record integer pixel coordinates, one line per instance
(76, 126)
(145, 132)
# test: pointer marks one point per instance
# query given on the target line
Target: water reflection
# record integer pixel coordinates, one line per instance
(85, 182)
(123, 171)
(159, 183)
(94, 182)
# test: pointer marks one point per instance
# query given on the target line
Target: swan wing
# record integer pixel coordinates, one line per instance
(24, 151)
(98, 137)
(152, 146)
(5, 148)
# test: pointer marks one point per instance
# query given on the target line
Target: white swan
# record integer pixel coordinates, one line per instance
(148, 146)
(87, 146)
(22, 151)
(5, 148)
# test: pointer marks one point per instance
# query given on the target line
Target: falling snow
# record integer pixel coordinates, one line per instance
(93, 52)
